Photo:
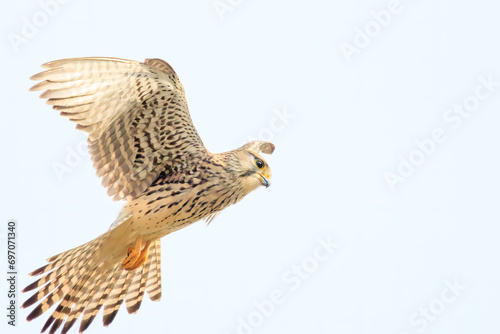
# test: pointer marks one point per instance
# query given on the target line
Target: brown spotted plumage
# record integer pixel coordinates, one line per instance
(146, 150)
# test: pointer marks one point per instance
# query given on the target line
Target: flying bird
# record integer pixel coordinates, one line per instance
(148, 153)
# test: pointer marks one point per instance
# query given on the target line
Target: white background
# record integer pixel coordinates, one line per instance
(353, 120)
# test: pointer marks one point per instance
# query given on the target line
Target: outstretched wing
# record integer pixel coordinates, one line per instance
(135, 113)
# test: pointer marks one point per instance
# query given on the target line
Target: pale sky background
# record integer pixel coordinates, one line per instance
(418, 257)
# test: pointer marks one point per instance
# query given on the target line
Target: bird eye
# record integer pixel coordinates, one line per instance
(259, 163)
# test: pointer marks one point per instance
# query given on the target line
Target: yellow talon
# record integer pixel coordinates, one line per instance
(136, 257)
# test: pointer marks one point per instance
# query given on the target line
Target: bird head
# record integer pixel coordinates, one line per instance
(253, 170)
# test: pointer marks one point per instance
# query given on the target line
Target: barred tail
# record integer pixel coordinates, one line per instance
(82, 283)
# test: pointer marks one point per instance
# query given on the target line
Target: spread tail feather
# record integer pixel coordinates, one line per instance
(80, 281)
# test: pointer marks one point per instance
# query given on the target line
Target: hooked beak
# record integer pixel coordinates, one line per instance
(266, 182)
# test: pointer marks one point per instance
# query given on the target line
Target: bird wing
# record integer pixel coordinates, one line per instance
(135, 114)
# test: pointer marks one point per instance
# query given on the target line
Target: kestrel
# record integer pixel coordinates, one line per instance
(146, 149)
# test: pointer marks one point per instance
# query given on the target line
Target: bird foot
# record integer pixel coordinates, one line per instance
(135, 255)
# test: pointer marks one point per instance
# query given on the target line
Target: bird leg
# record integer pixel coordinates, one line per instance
(136, 256)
